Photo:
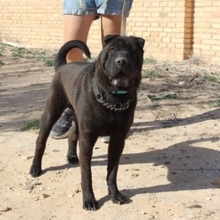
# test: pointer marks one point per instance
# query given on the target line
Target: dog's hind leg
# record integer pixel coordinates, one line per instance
(72, 142)
(52, 111)
(114, 153)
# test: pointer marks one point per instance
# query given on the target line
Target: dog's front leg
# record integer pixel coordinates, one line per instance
(114, 153)
(85, 157)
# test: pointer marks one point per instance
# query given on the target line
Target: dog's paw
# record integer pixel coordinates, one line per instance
(119, 199)
(72, 159)
(35, 171)
(90, 204)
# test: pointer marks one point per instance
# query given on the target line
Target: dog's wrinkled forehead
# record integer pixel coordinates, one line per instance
(124, 40)
(118, 42)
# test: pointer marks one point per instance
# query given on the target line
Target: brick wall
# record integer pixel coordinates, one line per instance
(161, 23)
(32, 22)
(207, 30)
(172, 28)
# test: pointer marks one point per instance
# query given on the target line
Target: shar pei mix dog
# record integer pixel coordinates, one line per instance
(103, 97)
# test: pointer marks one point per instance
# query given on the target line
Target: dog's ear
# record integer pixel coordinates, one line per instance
(110, 37)
(141, 41)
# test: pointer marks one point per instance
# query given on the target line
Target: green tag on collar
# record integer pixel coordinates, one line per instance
(119, 92)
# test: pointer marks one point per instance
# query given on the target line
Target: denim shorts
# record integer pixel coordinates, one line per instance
(85, 7)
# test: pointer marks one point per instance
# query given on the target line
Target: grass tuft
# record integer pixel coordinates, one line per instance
(151, 74)
(167, 95)
(216, 103)
(149, 61)
(26, 53)
(210, 78)
(34, 125)
(49, 62)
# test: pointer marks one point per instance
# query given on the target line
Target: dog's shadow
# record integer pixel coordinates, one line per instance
(56, 168)
(189, 167)
(213, 114)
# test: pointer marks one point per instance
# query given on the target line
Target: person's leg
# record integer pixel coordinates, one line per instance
(76, 27)
(111, 15)
(77, 22)
(110, 24)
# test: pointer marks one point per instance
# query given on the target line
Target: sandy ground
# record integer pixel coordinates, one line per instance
(170, 168)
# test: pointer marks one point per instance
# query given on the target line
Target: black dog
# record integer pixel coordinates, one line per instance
(103, 96)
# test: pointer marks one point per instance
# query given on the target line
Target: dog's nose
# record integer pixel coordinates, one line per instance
(121, 61)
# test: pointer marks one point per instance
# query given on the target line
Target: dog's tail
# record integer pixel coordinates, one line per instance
(61, 56)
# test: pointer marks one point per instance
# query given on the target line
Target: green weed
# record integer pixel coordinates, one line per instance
(34, 124)
(216, 103)
(49, 62)
(27, 53)
(151, 74)
(210, 78)
(86, 59)
(167, 95)
(149, 61)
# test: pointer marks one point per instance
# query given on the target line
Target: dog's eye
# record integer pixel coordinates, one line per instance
(112, 49)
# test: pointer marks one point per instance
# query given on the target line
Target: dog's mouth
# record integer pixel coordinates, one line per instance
(120, 81)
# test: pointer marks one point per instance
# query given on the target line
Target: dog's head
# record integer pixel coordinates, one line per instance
(121, 61)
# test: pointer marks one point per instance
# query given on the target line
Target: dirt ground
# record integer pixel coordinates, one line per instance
(170, 167)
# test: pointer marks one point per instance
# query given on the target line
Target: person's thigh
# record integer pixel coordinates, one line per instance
(111, 24)
(110, 12)
(76, 28)
(77, 22)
